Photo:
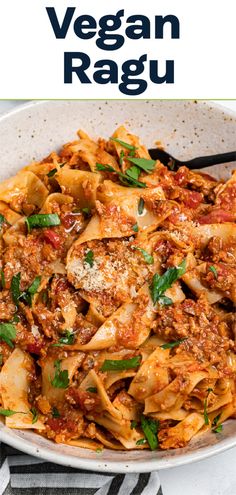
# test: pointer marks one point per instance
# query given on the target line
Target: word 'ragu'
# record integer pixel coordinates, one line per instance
(106, 33)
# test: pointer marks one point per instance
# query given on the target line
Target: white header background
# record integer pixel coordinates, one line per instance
(32, 59)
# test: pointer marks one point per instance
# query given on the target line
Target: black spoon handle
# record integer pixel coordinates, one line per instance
(208, 161)
(195, 163)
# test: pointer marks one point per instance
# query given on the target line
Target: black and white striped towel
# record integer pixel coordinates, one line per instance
(21, 474)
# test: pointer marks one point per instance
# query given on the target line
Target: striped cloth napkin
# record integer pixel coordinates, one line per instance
(22, 474)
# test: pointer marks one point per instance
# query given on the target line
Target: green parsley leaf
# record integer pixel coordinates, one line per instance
(133, 172)
(209, 390)
(121, 159)
(214, 271)
(15, 288)
(218, 429)
(165, 301)
(133, 424)
(121, 364)
(86, 211)
(140, 206)
(125, 179)
(206, 419)
(92, 390)
(52, 172)
(7, 412)
(7, 333)
(99, 450)
(143, 163)
(135, 227)
(125, 145)
(141, 441)
(67, 339)
(148, 257)
(35, 415)
(61, 378)
(160, 283)
(26, 296)
(2, 220)
(3, 282)
(216, 420)
(41, 221)
(89, 258)
(171, 345)
(15, 319)
(34, 286)
(171, 164)
(55, 413)
(150, 429)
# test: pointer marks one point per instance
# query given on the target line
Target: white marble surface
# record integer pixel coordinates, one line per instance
(214, 476)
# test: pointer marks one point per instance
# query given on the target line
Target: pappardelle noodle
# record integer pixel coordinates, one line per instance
(117, 320)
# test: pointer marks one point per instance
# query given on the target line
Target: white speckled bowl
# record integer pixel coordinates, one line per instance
(187, 129)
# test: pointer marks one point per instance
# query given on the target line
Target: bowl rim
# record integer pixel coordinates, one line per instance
(114, 466)
(100, 465)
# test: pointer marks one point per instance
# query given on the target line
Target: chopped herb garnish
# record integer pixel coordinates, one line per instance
(124, 178)
(92, 390)
(15, 288)
(55, 413)
(147, 257)
(218, 429)
(171, 164)
(63, 164)
(121, 157)
(35, 415)
(214, 271)
(125, 145)
(15, 319)
(7, 333)
(133, 172)
(2, 219)
(99, 450)
(206, 419)
(67, 339)
(1, 359)
(34, 286)
(89, 258)
(141, 441)
(41, 220)
(140, 206)
(121, 364)
(171, 345)
(3, 282)
(7, 412)
(160, 283)
(61, 378)
(133, 424)
(165, 301)
(26, 296)
(209, 390)
(135, 227)
(52, 172)
(216, 420)
(86, 211)
(216, 426)
(150, 429)
(144, 163)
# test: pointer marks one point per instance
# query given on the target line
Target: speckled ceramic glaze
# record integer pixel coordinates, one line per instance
(186, 129)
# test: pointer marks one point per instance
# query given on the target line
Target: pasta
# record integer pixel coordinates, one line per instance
(117, 301)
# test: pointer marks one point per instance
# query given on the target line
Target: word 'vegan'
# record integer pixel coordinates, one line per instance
(105, 30)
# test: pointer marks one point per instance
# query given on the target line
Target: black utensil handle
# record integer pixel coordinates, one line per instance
(208, 161)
